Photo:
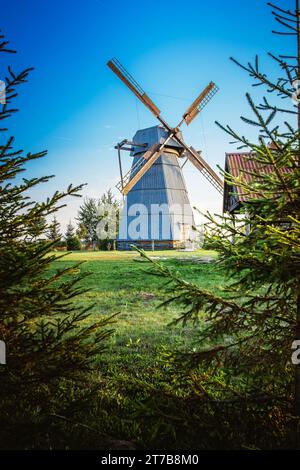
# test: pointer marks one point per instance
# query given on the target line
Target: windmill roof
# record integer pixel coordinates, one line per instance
(241, 165)
(150, 136)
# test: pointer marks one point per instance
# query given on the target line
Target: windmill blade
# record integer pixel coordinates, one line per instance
(200, 102)
(129, 81)
(129, 180)
(199, 162)
(143, 165)
(151, 158)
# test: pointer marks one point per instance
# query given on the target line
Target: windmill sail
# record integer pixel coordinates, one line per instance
(199, 162)
(150, 157)
(196, 159)
(200, 102)
(139, 169)
(129, 81)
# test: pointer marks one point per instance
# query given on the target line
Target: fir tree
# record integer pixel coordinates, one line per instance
(70, 232)
(37, 229)
(81, 232)
(109, 207)
(251, 325)
(92, 212)
(73, 242)
(48, 344)
(88, 218)
(54, 232)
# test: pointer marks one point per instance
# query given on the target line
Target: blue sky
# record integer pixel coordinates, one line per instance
(76, 108)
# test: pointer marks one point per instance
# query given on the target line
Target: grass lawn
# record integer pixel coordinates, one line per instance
(135, 361)
(119, 283)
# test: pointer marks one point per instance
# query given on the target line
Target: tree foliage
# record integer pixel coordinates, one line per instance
(249, 327)
(48, 344)
(54, 231)
(94, 211)
(88, 219)
(72, 241)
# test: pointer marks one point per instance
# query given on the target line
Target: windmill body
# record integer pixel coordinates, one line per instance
(157, 212)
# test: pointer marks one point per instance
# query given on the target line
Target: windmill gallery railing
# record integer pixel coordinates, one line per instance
(136, 168)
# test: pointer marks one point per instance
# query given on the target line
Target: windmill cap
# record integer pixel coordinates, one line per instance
(150, 136)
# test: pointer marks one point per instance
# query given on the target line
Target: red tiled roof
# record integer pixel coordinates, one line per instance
(239, 164)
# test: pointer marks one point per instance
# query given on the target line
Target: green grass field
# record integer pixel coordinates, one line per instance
(119, 283)
(135, 363)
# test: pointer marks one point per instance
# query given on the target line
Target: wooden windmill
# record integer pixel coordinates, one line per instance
(155, 178)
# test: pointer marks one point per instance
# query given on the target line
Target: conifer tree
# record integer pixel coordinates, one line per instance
(54, 232)
(81, 232)
(92, 212)
(70, 232)
(88, 218)
(48, 344)
(251, 325)
(37, 229)
(73, 242)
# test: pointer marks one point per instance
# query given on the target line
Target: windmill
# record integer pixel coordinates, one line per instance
(157, 212)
